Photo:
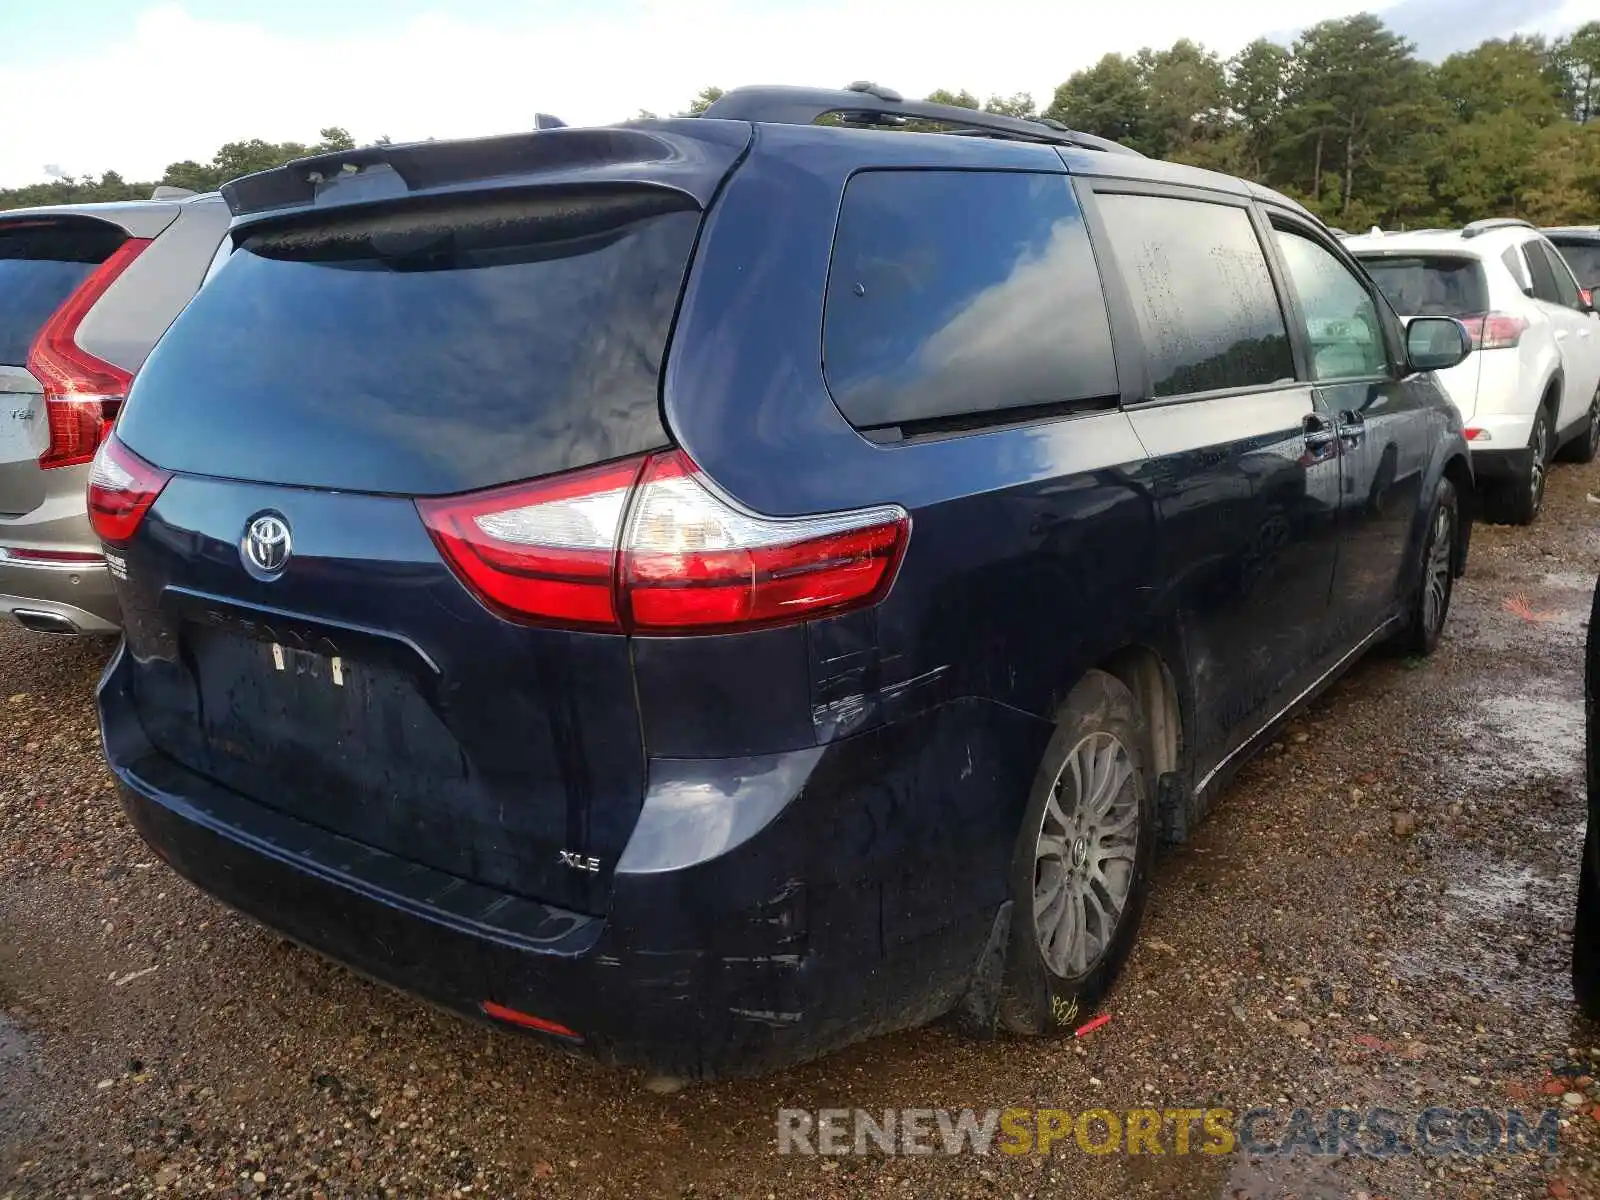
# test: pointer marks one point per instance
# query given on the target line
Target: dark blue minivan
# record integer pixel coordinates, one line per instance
(710, 590)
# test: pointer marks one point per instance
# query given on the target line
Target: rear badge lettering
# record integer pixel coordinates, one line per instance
(579, 862)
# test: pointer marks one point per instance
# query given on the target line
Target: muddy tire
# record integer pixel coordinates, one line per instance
(1081, 869)
(1518, 501)
(1584, 447)
(1435, 575)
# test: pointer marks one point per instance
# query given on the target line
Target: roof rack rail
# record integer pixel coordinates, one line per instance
(1484, 226)
(867, 104)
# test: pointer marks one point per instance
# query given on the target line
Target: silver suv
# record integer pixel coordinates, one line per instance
(86, 290)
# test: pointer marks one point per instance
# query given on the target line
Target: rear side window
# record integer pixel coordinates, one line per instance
(41, 264)
(1544, 279)
(1203, 296)
(425, 350)
(956, 294)
(1430, 285)
(1584, 259)
(1566, 289)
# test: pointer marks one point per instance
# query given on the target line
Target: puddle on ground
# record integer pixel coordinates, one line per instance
(1514, 739)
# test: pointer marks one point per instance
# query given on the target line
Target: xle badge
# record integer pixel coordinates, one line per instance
(579, 862)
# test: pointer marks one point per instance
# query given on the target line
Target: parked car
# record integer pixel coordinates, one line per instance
(1580, 246)
(85, 292)
(1531, 387)
(710, 590)
(1586, 926)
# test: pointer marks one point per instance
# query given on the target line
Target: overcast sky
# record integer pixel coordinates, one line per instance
(131, 85)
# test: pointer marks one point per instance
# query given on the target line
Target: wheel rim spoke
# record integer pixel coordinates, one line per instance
(1084, 853)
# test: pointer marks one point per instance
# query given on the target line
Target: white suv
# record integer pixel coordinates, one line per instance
(1531, 387)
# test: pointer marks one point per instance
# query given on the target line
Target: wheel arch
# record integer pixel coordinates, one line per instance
(1155, 685)
(1458, 470)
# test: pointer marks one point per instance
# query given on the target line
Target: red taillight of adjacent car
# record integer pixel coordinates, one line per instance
(82, 393)
(650, 546)
(122, 487)
(1495, 331)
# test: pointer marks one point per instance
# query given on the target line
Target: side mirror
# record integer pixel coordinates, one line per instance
(1436, 343)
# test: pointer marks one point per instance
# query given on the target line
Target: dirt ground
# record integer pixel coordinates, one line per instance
(1378, 913)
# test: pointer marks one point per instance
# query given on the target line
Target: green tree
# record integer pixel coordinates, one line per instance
(1018, 104)
(961, 99)
(1186, 102)
(1576, 60)
(1110, 99)
(704, 99)
(1503, 76)
(1258, 77)
(1355, 94)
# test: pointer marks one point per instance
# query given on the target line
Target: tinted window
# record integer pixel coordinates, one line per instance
(424, 350)
(1566, 288)
(41, 264)
(1584, 259)
(1544, 279)
(1342, 326)
(1201, 292)
(1512, 257)
(1430, 285)
(957, 293)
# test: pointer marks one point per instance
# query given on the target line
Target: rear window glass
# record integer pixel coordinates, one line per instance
(1430, 286)
(424, 350)
(1584, 259)
(954, 293)
(41, 264)
(1206, 307)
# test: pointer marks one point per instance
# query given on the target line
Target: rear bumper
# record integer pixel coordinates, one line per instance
(1495, 466)
(847, 913)
(79, 596)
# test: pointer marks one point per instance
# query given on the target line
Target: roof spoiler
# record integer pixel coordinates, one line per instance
(691, 158)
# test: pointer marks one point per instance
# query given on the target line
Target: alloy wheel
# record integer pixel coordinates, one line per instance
(1436, 583)
(1085, 854)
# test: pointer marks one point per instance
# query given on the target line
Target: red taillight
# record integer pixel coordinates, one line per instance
(527, 1020)
(692, 561)
(1478, 435)
(554, 552)
(82, 393)
(122, 487)
(1494, 331)
(544, 551)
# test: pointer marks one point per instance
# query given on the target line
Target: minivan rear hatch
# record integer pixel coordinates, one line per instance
(347, 361)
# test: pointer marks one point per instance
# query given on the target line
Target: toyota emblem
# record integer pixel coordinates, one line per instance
(266, 546)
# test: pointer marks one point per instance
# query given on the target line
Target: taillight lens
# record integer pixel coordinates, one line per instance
(544, 551)
(690, 561)
(122, 487)
(1495, 331)
(82, 393)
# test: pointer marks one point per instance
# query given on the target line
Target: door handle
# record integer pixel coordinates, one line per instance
(1319, 429)
(1561, 335)
(1352, 427)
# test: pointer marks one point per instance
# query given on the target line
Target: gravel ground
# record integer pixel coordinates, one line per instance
(1378, 913)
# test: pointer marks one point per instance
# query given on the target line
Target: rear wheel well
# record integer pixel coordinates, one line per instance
(1142, 671)
(1551, 401)
(1459, 473)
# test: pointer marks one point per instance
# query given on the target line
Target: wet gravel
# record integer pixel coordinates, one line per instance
(1377, 913)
